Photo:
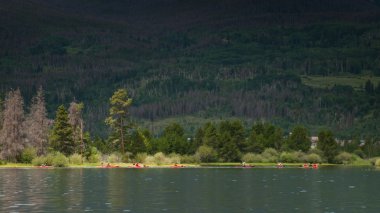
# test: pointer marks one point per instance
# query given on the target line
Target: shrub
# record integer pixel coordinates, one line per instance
(28, 154)
(60, 160)
(269, 155)
(174, 158)
(290, 157)
(206, 154)
(94, 156)
(49, 159)
(377, 162)
(312, 158)
(149, 160)
(114, 158)
(160, 158)
(127, 157)
(39, 161)
(252, 158)
(75, 159)
(345, 158)
(359, 153)
(189, 159)
(140, 157)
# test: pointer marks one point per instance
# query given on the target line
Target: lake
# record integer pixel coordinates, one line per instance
(332, 189)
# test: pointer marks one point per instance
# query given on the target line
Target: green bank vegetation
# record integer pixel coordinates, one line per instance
(33, 139)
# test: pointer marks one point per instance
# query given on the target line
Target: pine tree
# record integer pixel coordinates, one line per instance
(61, 138)
(118, 118)
(11, 135)
(299, 140)
(76, 121)
(327, 144)
(37, 124)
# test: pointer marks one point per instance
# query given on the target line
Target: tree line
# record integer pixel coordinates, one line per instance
(227, 141)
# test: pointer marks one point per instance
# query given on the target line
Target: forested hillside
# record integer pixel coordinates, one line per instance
(207, 60)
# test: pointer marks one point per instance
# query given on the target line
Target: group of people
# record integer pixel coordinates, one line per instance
(281, 165)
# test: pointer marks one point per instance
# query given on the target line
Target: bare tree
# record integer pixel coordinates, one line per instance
(1, 113)
(76, 121)
(37, 124)
(11, 137)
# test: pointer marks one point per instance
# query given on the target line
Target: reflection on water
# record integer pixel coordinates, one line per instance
(190, 190)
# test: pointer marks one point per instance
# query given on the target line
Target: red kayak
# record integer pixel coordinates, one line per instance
(177, 166)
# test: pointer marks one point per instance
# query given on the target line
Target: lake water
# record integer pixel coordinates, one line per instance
(190, 190)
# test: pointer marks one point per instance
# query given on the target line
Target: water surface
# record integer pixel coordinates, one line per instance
(190, 190)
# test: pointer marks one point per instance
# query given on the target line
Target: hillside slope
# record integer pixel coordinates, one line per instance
(216, 58)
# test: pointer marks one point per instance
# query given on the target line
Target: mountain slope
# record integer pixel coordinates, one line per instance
(201, 58)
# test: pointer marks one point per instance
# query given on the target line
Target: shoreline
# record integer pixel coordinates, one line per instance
(171, 166)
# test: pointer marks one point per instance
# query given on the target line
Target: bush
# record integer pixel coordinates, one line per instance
(312, 158)
(49, 159)
(206, 154)
(28, 154)
(127, 157)
(377, 162)
(189, 159)
(140, 157)
(75, 159)
(39, 161)
(114, 158)
(291, 157)
(269, 155)
(149, 160)
(345, 158)
(160, 158)
(94, 156)
(252, 158)
(359, 153)
(174, 158)
(60, 160)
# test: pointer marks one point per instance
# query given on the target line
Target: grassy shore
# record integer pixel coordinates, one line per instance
(129, 165)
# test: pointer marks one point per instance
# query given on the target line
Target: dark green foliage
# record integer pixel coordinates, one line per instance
(197, 141)
(328, 145)
(173, 140)
(299, 139)
(61, 137)
(264, 135)
(369, 87)
(139, 141)
(212, 65)
(28, 154)
(228, 151)
(210, 137)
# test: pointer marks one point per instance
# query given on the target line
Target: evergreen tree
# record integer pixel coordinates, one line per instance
(118, 116)
(174, 135)
(37, 124)
(369, 87)
(76, 121)
(299, 139)
(11, 135)
(61, 137)
(197, 141)
(139, 141)
(228, 151)
(327, 144)
(211, 136)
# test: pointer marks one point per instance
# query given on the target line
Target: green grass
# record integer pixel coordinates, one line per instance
(356, 82)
